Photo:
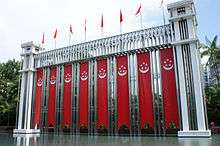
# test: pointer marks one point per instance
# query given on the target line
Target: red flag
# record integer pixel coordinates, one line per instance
(83, 95)
(38, 97)
(71, 29)
(170, 103)
(102, 23)
(42, 41)
(122, 92)
(121, 17)
(52, 98)
(55, 34)
(145, 90)
(139, 10)
(102, 94)
(67, 92)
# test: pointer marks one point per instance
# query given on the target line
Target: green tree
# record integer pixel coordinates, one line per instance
(9, 80)
(212, 92)
(211, 50)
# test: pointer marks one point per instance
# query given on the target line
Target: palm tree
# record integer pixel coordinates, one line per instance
(211, 49)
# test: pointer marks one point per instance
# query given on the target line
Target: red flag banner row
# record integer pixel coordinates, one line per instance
(145, 93)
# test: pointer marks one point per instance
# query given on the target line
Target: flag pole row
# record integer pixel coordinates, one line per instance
(137, 13)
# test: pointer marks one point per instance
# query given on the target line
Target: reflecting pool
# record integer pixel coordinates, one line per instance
(84, 140)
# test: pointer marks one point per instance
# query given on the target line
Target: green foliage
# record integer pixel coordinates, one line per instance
(83, 126)
(102, 126)
(213, 103)
(9, 80)
(172, 125)
(146, 126)
(213, 91)
(124, 127)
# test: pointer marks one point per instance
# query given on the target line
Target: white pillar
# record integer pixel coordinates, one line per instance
(21, 103)
(28, 52)
(197, 88)
(182, 90)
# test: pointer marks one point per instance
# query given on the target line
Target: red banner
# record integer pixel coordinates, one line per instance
(52, 97)
(83, 95)
(38, 96)
(145, 90)
(67, 92)
(123, 92)
(102, 94)
(169, 88)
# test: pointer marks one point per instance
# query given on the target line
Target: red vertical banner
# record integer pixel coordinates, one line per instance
(38, 96)
(83, 95)
(145, 90)
(67, 92)
(169, 88)
(123, 92)
(52, 97)
(102, 94)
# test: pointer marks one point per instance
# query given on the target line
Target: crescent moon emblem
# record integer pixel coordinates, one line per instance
(102, 73)
(168, 65)
(52, 80)
(144, 68)
(168, 68)
(39, 82)
(122, 71)
(67, 78)
(144, 71)
(84, 76)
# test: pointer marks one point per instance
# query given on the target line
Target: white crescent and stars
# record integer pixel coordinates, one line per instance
(168, 64)
(84, 76)
(102, 73)
(122, 71)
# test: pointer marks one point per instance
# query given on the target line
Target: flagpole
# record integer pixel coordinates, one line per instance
(55, 43)
(163, 14)
(101, 32)
(69, 38)
(141, 20)
(85, 31)
(120, 28)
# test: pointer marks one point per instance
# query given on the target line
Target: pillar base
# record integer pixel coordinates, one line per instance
(26, 131)
(194, 133)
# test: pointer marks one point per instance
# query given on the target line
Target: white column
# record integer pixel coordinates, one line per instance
(197, 88)
(30, 92)
(21, 103)
(182, 90)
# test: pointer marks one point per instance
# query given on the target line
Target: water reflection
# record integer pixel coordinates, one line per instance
(83, 140)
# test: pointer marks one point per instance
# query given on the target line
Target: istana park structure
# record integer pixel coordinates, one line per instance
(142, 82)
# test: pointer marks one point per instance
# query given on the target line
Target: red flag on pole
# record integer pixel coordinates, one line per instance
(139, 10)
(42, 41)
(55, 34)
(121, 17)
(102, 23)
(71, 29)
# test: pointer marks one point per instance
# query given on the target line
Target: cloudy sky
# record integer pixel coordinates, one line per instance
(26, 20)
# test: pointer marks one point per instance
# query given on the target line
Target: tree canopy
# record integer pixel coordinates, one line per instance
(9, 80)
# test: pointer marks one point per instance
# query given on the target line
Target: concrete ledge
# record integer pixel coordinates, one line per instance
(26, 131)
(194, 133)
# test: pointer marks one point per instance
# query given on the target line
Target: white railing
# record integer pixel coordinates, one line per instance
(146, 38)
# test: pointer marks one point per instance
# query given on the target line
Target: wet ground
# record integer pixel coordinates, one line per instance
(84, 140)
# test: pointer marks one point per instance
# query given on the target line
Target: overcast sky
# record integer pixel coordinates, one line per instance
(26, 20)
